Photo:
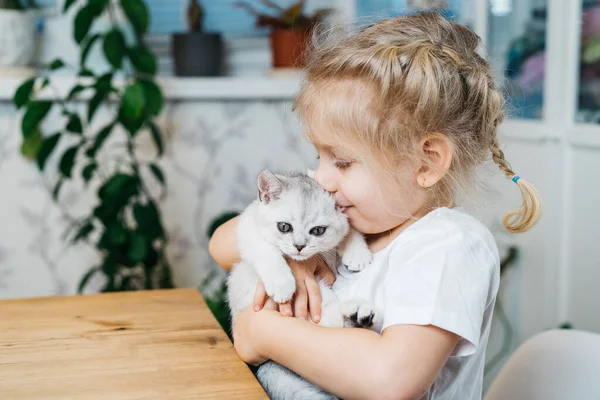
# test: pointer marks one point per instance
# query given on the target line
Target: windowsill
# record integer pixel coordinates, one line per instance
(178, 88)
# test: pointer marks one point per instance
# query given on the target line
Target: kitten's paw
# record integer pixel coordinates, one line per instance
(280, 288)
(357, 258)
(360, 314)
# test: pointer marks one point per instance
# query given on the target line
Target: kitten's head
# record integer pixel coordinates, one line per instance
(298, 216)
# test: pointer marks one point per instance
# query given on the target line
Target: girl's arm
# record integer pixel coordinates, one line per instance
(402, 363)
(222, 246)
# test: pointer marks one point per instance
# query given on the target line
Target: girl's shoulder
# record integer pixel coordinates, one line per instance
(446, 227)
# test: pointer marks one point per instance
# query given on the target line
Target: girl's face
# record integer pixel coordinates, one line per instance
(374, 203)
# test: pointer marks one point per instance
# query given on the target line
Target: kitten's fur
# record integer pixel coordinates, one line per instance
(297, 200)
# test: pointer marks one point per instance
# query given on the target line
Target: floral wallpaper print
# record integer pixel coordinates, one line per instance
(214, 151)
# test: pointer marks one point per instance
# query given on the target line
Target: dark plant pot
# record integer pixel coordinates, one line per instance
(197, 54)
(290, 47)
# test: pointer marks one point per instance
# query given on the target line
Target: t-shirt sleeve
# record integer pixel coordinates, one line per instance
(442, 277)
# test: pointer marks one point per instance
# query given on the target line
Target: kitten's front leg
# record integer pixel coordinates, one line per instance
(275, 274)
(356, 255)
(267, 261)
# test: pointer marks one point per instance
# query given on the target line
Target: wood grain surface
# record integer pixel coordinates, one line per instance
(135, 345)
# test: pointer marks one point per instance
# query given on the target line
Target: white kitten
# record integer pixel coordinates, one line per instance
(294, 217)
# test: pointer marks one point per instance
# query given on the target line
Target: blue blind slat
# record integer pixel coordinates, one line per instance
(372, 10)
(168, 16)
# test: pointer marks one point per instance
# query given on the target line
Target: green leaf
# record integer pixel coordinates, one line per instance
(116, 234)
(36, 112)
(67, 161)
(133, 101)
(105, 81)
(46, 149)
(68, 4)
(110, 267)
(83, 232)
(96, 101)
(132, 125)
(156, 136)
(31, 145)
(56, 64)
(293, 12)
(75, 91)
(98, 5)
(137, 13)
(74, 125)
(158, 174)
(142, 59)
(118, 184)
(23, 93)
(114, 48)
(153, 96)
(147, 219)
(56, 190)
(114, 196)
(84, 281)
(138, 247)
(86, 73)
(83, 22)
(88, 171)
(100, 139)
(85, 51)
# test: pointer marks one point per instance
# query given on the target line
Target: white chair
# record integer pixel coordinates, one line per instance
(553, 365)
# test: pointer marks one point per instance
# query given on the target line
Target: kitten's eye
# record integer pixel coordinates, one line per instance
(342, 165)
(284, 227)
(318, 230)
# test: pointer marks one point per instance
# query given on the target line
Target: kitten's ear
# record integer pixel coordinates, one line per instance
(269, 186)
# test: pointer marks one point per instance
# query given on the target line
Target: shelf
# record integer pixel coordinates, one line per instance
(201, 89)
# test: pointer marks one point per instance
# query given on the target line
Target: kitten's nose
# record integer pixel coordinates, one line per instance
(300, 248)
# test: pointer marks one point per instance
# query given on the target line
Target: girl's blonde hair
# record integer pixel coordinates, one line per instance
(411, 77)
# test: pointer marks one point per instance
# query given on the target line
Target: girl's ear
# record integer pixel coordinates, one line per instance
(437, 151)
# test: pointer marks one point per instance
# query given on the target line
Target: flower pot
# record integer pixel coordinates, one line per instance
(197, 54)
(17, 38)
(290, 47)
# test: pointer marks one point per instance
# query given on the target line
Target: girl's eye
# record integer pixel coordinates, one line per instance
(284, 227)
(342, 165)
(318, 230)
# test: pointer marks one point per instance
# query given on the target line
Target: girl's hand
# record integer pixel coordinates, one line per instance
(308, 293)
(247, 323)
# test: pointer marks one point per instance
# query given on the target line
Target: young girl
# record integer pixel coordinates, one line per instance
(401, 115)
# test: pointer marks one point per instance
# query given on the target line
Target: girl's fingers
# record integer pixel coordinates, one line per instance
(285, 309)
(260, 297)
(325, 273)
(271, 305)
(301, 301)
(314, 298)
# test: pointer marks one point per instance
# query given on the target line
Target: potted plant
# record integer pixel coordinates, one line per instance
(291, 30)
(17, 33)
(124, 225)
(197, 53)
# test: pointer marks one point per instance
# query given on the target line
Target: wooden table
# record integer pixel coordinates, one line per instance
(134, 345)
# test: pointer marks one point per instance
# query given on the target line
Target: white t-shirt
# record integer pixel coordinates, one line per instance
(443, 270)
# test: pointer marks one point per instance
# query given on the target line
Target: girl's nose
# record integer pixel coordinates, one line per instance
(325, 179)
